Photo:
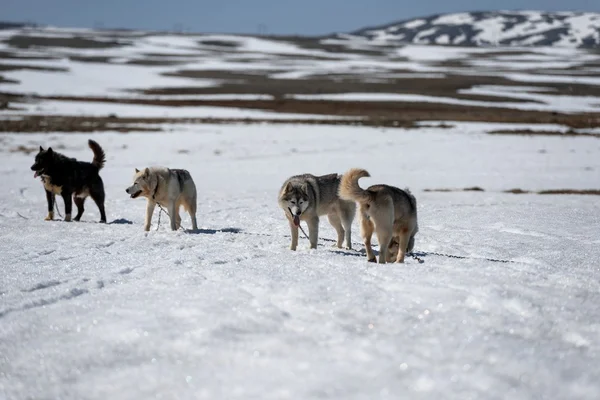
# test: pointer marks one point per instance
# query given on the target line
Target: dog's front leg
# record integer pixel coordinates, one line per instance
(50, 199)
(313, 231)
(294, 231)
(68, 205)
(173, 211)
(149, 211)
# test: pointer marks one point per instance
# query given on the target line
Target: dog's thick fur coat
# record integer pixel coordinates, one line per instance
(72, 179)
(307, 197)
(169, 188)
(386, 210)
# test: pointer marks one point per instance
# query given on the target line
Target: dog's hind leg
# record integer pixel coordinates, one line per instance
(313, 231)
(411, 244)
(190, 207)
(50, 198)
(348, 211)
(79, 203)
(173, 210)
(403, 243)
(383, 218)
(366, 230)
(97, 194)
(177, 216)
(336, 222)
(384, 237)
(149, 211)
(68, 205)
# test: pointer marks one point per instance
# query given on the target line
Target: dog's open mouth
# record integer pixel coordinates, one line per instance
(136, 194)
(38, 173)
(297, 220)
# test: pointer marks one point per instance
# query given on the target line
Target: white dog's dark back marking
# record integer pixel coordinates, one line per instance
(182, 176)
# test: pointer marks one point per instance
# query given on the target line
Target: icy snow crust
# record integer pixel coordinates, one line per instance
(505, 304)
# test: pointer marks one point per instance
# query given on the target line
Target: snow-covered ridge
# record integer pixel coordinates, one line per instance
(491, 28)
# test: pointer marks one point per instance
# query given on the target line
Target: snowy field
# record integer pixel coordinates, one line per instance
(504, 306)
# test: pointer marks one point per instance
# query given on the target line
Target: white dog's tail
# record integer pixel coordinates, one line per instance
(349, 189)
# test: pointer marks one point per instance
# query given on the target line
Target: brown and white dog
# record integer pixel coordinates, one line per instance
(386, 210)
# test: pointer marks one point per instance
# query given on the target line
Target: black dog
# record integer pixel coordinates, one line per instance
(71, 178)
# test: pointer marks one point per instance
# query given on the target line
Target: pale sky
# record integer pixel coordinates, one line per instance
(307, 17)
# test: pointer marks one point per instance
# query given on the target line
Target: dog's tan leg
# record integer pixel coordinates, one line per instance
(50, 216)
(366, 230)
(348, 210)
(149, 211)
(294, 231)
(384, 237)
(313, 231)
(191, 209)
(403, 239)
(393, 250)
(173, 214)
(334, 220)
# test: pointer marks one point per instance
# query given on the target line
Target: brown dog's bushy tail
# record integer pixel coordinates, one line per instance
(99, 156)
(349, 189)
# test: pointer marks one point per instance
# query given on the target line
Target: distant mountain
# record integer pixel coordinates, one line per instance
(492, 28)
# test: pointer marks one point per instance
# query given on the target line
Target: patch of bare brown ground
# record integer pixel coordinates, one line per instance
(46, 123)
(529, 132)
(469, 189)
(521, 191)
(556, 191)
(399, 114)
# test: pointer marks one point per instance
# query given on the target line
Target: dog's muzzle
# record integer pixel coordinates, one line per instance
(133, 195)
(38, 170)
(296, 217)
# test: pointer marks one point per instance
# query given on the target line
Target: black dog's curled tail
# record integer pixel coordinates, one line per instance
(99, 156)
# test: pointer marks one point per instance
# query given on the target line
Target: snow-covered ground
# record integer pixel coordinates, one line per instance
(505, 304)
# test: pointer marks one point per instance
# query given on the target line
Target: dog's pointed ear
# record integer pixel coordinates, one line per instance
(137, 170)
(288, 187)
(304, 187)
(146, 172)
(41, 148)
(49, 149)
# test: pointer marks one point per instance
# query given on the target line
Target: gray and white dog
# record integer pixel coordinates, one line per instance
(169, 188)
(307, 197)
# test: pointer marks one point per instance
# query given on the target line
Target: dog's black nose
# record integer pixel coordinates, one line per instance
(126, 190)
(298, 213)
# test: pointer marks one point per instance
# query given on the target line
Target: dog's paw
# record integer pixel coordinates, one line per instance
(50, 217)
(373, 260)
(68, 218)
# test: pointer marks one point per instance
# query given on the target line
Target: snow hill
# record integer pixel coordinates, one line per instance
(506, 28)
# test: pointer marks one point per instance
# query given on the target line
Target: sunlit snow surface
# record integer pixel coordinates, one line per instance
(505, 304)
